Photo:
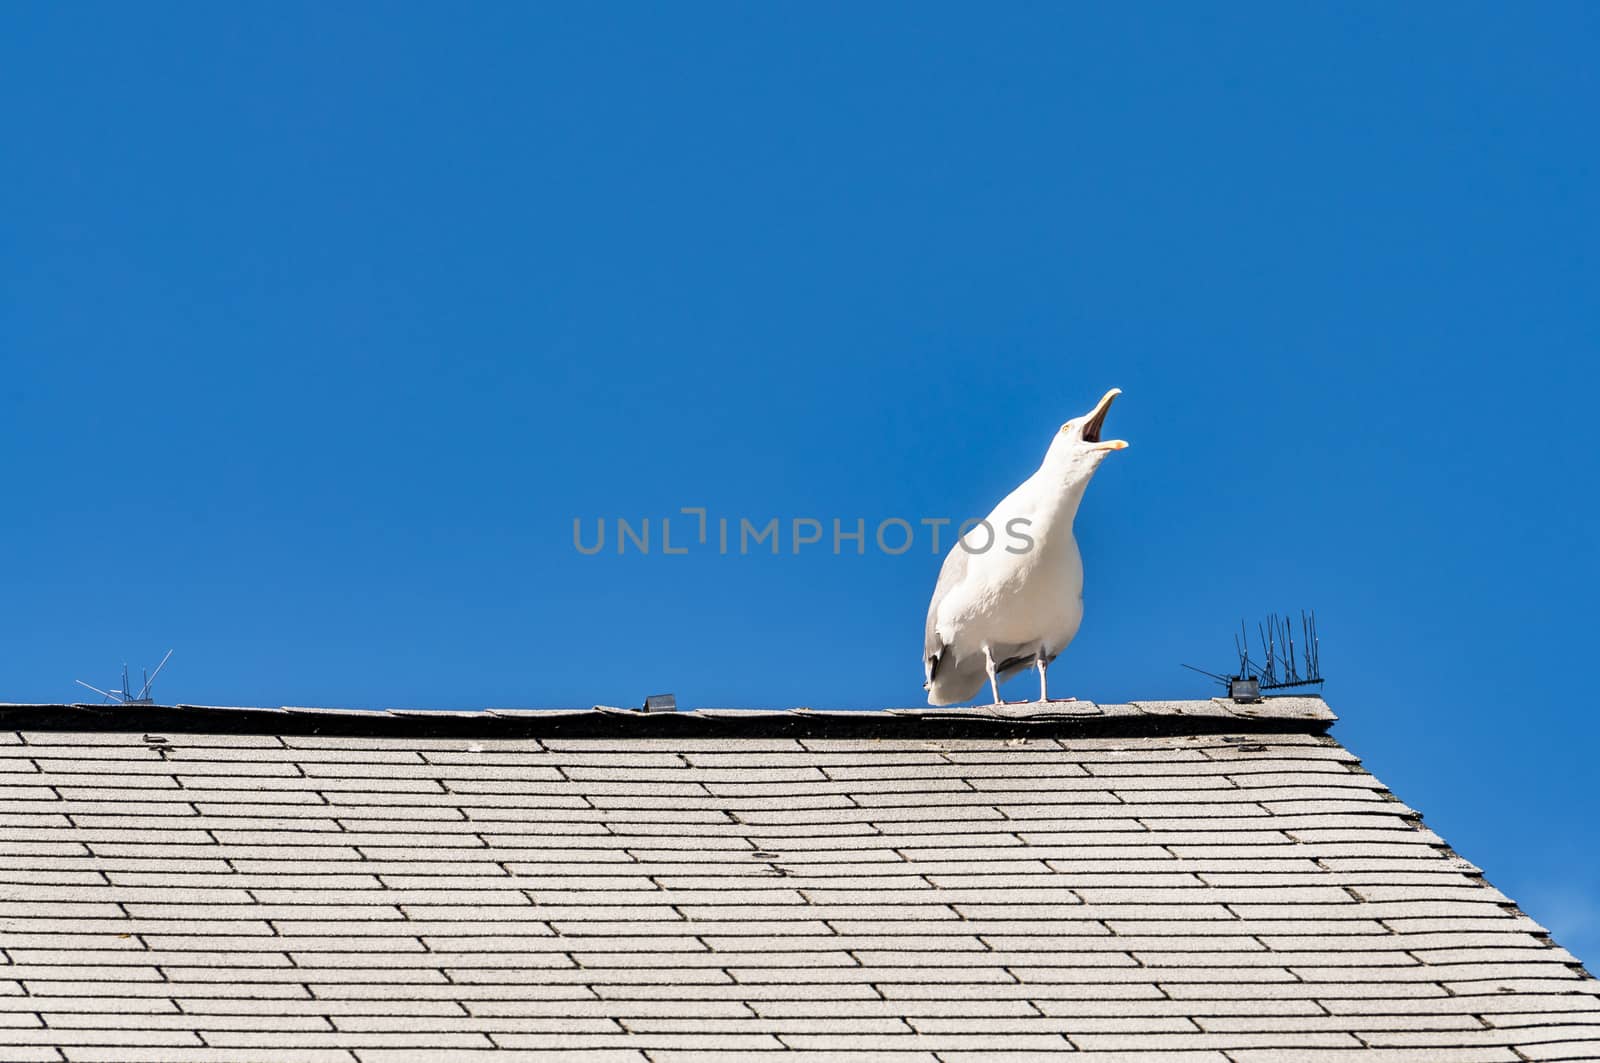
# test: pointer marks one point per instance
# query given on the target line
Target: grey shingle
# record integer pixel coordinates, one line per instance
(120, 1053)
(434, 1055)
(1359, 1054)
(1083, 885)
(1588, 1048)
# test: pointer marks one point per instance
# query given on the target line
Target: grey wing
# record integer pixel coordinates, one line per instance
(951, 573)
(1015, 665)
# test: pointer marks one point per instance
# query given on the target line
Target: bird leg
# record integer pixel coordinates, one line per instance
(994, 682)
(1041, 663)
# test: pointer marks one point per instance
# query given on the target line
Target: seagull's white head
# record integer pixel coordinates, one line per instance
(1077, 450)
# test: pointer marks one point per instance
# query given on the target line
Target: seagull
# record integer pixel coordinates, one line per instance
(1010, 592)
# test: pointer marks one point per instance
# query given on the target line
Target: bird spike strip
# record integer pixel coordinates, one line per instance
(1279, 665)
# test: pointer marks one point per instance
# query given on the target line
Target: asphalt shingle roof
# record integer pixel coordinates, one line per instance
(1190, 882)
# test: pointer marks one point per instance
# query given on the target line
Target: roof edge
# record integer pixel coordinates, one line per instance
(1309, 715)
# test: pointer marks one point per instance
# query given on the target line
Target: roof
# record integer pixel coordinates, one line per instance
(1184, 882)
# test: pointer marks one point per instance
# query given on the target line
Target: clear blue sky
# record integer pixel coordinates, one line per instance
(320, 324)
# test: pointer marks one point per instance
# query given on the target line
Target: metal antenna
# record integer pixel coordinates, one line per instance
(1219, 678)
(126, 696)
(144, 692)
(103, 693)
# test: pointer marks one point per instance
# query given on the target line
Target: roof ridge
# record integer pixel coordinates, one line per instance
(1214, 715)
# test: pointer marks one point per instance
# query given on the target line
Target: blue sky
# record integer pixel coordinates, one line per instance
(320, 325)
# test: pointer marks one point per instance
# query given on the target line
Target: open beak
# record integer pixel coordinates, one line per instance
(1097, 420)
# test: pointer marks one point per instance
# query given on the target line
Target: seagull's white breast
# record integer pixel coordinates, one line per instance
(1010, 596)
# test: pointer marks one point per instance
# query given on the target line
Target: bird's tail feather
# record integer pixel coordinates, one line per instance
(957, 683)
